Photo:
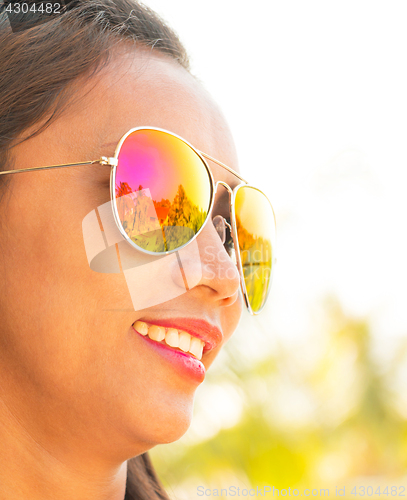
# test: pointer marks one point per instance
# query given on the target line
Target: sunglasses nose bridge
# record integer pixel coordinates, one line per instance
(215, 192)
(224, 184)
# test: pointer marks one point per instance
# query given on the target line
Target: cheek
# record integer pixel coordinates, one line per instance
(44, 245)
(230, 319)
(52, 303)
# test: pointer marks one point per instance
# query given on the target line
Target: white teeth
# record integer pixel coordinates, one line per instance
(141, 327)
(172, 337)
(196, 347)
(156, 333)
(184, 341)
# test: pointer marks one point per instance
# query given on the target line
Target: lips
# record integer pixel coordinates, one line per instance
(199, 328)
(200, 336)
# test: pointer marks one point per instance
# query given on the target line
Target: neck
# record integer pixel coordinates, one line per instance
(29, 470)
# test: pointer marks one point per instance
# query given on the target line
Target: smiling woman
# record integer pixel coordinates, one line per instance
(98, 366)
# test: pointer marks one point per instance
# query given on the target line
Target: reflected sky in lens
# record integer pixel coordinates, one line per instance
(161, 162)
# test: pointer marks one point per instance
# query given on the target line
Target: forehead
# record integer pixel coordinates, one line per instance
(141, 88)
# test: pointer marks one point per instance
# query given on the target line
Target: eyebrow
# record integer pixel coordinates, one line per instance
(108, 144)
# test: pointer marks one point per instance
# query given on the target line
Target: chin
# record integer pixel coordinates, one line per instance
(161, 424)
(174, 425)
(172, 435)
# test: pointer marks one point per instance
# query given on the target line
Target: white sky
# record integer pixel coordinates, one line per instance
(315, 95)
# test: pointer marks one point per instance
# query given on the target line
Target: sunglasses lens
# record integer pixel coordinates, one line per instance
(163, 190)
(255, 225)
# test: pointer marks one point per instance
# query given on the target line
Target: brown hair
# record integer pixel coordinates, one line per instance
(38, 62)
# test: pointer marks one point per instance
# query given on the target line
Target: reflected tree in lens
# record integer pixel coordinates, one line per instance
(158, 226)
(184, 220)
(256, 258)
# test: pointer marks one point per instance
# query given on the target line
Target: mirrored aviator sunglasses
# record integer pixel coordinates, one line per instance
(163, 192)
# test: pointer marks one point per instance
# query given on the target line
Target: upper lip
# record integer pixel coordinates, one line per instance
(210, 334)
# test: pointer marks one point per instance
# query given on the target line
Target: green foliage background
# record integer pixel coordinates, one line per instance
(323, 414)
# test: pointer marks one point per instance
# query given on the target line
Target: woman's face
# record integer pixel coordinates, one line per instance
(75, 372)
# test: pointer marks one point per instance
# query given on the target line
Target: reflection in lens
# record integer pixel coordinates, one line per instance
(255, 226)
(163, 190)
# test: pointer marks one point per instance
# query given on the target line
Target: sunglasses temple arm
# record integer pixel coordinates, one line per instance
(102, 161)
(223, 166)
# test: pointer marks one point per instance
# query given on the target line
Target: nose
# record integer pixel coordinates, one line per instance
(220, 280)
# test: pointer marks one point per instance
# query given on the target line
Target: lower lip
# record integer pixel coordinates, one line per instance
(184, 363)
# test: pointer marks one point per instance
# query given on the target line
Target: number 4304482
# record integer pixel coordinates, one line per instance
(43, 8)
(370, 491)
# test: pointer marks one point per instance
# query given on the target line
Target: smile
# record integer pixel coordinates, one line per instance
(177, 339)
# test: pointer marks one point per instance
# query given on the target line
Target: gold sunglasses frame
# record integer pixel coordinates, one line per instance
(112, 162)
